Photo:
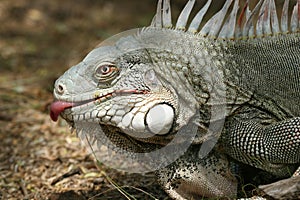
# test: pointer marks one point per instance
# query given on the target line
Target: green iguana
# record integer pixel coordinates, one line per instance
(193, 101)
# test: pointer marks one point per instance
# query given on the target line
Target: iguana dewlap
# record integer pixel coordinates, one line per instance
(214, 92)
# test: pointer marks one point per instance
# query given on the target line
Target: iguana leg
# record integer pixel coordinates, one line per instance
(193, 178)
(274, 148)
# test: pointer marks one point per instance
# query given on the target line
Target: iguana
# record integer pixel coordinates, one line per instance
(217, 92)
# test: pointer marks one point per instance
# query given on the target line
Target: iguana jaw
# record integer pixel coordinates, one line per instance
(59, 106)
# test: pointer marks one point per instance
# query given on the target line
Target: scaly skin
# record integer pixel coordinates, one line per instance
(147, 88)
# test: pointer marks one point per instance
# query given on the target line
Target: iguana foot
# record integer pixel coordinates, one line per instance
(193, 178)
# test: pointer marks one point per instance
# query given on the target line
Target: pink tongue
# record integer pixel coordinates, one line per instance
(57, 107)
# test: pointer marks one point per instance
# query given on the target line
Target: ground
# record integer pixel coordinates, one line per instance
(39, 40)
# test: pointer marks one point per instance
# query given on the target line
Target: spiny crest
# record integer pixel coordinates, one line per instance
(232, 21)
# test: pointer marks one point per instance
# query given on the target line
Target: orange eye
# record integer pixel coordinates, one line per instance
(104, 69)
(106, 72)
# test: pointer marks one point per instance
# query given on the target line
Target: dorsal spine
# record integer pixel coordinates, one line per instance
(232, 22)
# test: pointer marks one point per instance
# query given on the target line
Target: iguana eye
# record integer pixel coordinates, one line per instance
(106, 72)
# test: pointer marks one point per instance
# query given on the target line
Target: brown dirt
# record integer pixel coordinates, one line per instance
(39, 40)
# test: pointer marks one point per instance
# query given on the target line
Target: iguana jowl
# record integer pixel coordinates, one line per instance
(147, 86)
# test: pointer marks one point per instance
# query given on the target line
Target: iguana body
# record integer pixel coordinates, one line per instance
(234, 77)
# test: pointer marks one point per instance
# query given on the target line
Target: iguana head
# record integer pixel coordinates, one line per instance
(118, 85)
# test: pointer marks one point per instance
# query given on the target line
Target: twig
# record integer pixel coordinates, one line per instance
(112, 189)
(66, 175)
(120, 189)
(283, 189)
(23, 188)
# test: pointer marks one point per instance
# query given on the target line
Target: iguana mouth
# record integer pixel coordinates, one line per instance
(57, 107)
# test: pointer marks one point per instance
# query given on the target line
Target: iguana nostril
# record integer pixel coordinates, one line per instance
(60, 89)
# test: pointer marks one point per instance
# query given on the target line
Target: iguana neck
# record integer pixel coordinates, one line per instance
(249, 67)
(197, 61)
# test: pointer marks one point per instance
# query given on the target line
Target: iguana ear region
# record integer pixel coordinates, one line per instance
(151, 79)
